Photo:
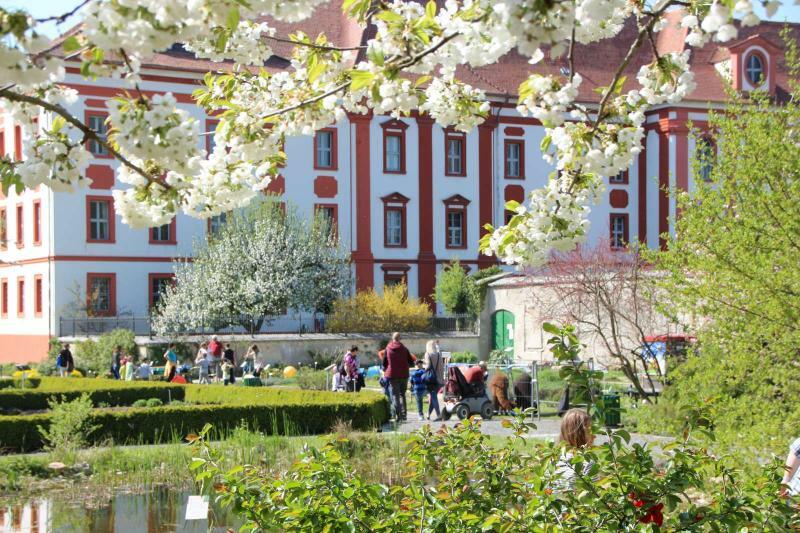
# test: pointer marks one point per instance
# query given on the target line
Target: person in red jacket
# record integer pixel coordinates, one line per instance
(475, 374)
(396, 364)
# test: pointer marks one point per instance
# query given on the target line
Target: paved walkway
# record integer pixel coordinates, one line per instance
(546, 428)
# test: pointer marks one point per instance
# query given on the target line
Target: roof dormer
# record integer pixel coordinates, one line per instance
(753, 63)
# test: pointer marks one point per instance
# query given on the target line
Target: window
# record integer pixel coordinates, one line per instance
(20, 296)
(394, 146)
(705, 154)
(754, 69)
(101, 298)
(393, 157)
(330, 217)
(164, 234)
(394, 220)
(618, 230)
(18, 143)
(620, 179)
(97, 122)
(515, 159)
(37, 295)
(455, 144)
(395, 275)
(455, 213)
(20, 226)
(157, 283)
(325, 149)
(4, 297)
(216, 222)
(3, 229)
(99, 219)
(37, 222)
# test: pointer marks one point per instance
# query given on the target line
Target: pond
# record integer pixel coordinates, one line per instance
(159, 511)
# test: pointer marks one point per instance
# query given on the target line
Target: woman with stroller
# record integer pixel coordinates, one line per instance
(434, 362)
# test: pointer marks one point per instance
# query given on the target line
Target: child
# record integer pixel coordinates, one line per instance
(419, 387)
(576, 434)
(145, 371)
(338, 380)
(227, 372)
(203, 362)
(129, 368)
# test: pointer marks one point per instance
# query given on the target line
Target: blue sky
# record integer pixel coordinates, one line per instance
(47, 8)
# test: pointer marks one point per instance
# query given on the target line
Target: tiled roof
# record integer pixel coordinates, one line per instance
(596, 62)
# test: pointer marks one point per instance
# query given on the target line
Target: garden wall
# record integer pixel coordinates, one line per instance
(295, 348)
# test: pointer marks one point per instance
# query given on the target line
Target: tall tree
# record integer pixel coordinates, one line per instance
(260, 263)
(735, 262)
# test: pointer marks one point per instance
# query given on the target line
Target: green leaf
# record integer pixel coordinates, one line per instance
(551, 329)
(233, 19)
(360, 79)
(430, 9)
(71, 44)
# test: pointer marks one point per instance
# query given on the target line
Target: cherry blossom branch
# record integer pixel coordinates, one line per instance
(61, 18)
(88, 133)
(324, 47)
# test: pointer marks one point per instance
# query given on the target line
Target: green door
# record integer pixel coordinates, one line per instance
(502, 330)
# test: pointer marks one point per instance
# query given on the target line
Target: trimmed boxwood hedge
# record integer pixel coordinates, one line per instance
(272, 411)
(108, 391)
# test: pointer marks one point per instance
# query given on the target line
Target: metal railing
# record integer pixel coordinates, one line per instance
(242, 325)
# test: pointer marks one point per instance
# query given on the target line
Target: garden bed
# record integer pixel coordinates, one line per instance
(271, 411)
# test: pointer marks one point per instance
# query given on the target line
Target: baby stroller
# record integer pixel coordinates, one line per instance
(465, 399)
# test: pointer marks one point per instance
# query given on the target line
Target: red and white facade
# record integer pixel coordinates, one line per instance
(406, 196)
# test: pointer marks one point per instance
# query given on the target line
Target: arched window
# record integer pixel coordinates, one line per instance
(706, 154)
(754, 69)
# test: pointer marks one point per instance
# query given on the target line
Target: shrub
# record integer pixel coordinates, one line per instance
(100, 391)
(154, 402)
(69, 427)
(29, 379)
(458, 291)
(463, 357)
(6, 383)
(272, 411)
(95, 356)
(141, 402)
(312, 379)
(372, 312)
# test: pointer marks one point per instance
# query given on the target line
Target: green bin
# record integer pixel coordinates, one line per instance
(612, 409)
(252, 381)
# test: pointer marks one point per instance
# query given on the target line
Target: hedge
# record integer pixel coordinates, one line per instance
(108, 391)
(272, 411)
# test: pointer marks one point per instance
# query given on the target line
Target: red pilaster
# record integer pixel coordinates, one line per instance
(362, 256)
(427, 259)
(485, 182)
(643, 193)
(681, 131)
(663, 186)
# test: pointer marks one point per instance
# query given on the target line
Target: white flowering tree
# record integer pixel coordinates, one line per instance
(409, 64)
(259, 264)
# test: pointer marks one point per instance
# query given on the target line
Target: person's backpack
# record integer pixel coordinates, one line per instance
(59, 361)
(431, 377)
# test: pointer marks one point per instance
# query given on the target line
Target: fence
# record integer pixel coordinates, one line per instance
(243, 325)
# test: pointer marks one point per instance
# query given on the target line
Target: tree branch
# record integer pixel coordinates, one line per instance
(88, 133)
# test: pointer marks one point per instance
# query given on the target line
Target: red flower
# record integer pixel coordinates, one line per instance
(653, 515)
(638, 503)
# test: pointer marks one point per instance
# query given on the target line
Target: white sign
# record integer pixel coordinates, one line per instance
(197, 508)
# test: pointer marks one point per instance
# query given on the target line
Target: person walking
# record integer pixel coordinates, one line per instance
(351, 365)
(419, 387)
(228, 355)
(397, 362)
(215, 349)
(250, 359)
(203, 361)
(115, 361)
(434, 363)
(65, 362)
